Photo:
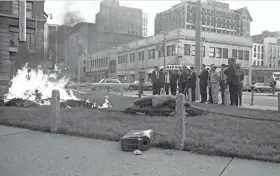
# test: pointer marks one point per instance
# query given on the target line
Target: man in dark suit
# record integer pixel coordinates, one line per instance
(156, 81)
(174, 76)
(183, 80)
(233, 80)
(203, 82)
(192, 82)
(210, 100)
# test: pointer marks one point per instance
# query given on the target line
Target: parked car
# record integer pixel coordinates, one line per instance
(135, 86)
(262, 87)
(247, 87)
(114, 84)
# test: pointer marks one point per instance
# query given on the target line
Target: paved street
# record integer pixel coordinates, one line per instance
(30, 153)
(261, 100)
(264, 101)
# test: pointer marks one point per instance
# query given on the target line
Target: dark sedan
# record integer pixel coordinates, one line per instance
(135, 86)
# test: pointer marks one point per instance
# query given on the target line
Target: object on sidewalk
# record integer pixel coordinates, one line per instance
(137, 140)
(137, 152)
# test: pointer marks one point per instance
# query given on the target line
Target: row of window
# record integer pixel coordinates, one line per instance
(258, 63)
(14, 36)
(240, 54)
(189, 50)
(103, 62)
(260, 56)
(29, 8)
(259, 48)
(171, 51)
(274, 49)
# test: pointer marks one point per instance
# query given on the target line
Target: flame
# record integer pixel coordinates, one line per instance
(106, 104)
(34, 85)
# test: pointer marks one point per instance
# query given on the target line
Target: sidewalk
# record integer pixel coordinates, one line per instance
(27, 153)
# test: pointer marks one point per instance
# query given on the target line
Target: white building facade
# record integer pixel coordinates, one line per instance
(267, 53)
(144, 24)
(216, 48)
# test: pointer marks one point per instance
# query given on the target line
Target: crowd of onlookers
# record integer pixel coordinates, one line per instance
(229, 77)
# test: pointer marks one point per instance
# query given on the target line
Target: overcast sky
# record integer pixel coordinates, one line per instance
(263, 12)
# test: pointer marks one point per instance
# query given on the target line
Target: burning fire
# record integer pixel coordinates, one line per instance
(35, 86)
(30, 83)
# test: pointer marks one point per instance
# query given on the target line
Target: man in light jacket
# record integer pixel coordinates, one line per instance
(223, 84)
(214, 82)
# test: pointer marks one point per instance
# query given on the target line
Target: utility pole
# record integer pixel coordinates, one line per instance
(198, 37)
(56, 47)
(198, 44)
(164, 44)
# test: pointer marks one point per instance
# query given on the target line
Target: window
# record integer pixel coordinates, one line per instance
(132, 57)
(187, 49)
(142, 55)
(262, 56)
(270, 49)
(255, 48)
(203, 51)
(234, 53)
(152, 54)
(258, 55)
(29, 7)
(225, 53)
(246, 55)
(212, 52)
(193, 50)
(262, 49)
(255, 55)
(261, 63)
(240, 55)
(14, 36)
(171, 50)
(218, 52)
(259, 48)
(258, 62)
(254, 63)
(139, 56)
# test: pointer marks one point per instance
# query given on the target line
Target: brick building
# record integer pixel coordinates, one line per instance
(215, 17)
(92, 41)
(119, 19)
(9, 33)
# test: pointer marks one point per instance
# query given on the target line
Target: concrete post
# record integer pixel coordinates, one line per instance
(55, 117)
(190, 95)
(278, 102)
(180, 118)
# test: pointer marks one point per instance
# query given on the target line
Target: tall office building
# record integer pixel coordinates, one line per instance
(145, 24)
(119, 19)
(215, 17)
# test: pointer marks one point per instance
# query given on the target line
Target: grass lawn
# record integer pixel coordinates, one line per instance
(210, 134)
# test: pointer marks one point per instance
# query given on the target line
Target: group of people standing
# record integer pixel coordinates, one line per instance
(229, 77)
(174, 80)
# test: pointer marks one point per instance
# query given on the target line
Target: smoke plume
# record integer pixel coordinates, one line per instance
(72, 17)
